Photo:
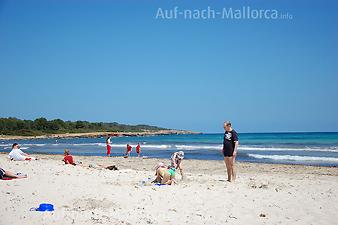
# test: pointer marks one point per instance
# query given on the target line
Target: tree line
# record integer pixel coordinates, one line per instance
(41, 126)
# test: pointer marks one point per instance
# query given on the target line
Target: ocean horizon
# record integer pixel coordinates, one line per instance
(304, 148)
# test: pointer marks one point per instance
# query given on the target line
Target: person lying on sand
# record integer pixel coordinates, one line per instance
(177, 161)
(6, 173)
(100, 166)
(164, 175)
(113, 167)
(18, 155)
(68, 159)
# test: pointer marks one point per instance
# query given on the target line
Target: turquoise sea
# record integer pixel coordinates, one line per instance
(287, 148)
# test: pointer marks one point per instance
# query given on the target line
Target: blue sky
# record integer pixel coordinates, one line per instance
(114, 61)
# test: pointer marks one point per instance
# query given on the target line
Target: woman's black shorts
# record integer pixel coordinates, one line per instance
(228, 152)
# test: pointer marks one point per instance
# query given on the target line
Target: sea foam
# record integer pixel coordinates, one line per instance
(294, 158)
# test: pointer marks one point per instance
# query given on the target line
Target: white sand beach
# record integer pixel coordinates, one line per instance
(262, 194)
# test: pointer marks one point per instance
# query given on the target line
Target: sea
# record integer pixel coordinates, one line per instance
(317, 148)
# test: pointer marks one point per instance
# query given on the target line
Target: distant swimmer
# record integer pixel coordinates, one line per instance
(230, 145)
(138, 150)
(108, 142)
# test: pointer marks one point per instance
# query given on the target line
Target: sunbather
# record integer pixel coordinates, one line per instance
(6, 173)
(18, 155)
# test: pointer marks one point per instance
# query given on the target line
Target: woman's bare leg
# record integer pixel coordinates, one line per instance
(227, 164)
(157, 179)
(10, 174)
(180, 166)
(233, 168)
(166, 178)
(230, 168)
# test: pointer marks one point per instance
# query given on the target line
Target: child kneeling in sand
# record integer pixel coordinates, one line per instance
(164, 175)
(68, 159)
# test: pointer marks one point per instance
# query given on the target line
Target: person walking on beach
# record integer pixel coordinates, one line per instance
(129, 149)
(138, 150)
(230, 144)
(176, 161)
(108, 142)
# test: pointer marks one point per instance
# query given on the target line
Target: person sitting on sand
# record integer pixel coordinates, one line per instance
(18, 155)
(176, 161)
(164, 175)
(129, 149)
(68, 159)
(6, 173)
(138, 150)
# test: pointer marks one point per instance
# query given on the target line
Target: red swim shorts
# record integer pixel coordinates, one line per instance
(108, 149)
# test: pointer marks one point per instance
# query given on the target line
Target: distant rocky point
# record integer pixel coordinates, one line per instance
(99, 134)
(13, 128)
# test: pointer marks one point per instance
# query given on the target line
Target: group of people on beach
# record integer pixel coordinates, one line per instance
(16, 154)
(129, 148)
(165, 174)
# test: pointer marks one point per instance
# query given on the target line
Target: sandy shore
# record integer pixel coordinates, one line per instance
(262, 194)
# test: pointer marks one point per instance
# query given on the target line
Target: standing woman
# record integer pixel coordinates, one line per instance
(230, 144)
(108, 142)
(138, 150)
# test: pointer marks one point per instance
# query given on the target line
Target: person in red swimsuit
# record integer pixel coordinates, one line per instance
(108, 142)
(138, 150)
(129, 149)
(68, 159)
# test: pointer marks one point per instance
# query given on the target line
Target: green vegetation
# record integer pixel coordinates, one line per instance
(41, 126)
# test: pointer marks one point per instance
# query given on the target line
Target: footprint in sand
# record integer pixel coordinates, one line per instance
(90, 204)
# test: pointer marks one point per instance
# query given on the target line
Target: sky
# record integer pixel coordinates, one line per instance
(114, 61)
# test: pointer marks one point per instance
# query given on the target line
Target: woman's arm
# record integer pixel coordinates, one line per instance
(22, 153)
(173, 159)
(235, 149)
